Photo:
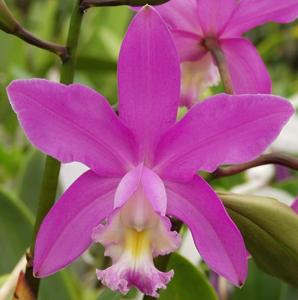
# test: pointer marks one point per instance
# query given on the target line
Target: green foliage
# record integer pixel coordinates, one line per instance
(107, 294)
(16, 225)
(270, 231)
(61, 286)
(30, 180)
(15, 231)
(259, 285)
(189, 283)
(290, 185)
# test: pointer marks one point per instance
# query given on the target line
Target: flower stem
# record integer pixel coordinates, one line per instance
(85, 4)
(49, 185)
(265, 159)
(10, 25)
(212, 45)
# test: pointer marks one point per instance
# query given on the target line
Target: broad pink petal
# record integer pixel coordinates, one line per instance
(248, 71)
(217, 238)
(149, 79)
(181, 15)
(188, 45)
(214, 15)
(224, 129)
(72, 123)
(252, 13)
(66, 231)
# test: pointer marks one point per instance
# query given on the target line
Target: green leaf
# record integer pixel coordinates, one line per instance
(270, 231)
(30, 180)
(259, 285)
(60, 286)
(188, 282)
(108, 294)
(16, 225)
(289, 185)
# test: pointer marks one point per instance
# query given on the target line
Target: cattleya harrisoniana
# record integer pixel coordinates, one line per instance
(194, 23)
(143, 163)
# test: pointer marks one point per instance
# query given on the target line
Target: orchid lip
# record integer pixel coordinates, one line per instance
(133, 235)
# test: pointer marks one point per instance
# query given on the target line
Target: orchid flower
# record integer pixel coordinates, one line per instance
(143, 164)
(194, 22)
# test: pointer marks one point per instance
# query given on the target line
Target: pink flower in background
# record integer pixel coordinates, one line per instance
(143, 164)
(196, 77)
(295, 206)
(225, 21)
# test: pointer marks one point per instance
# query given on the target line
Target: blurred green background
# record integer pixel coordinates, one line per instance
(21, 166)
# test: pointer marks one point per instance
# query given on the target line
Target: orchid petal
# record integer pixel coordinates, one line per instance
(252, 13)
(132, 250)
(217, 238)
(151, 184)
(72, 123)
(188, 45)
(214, 15)
(154, 190)
(247, 69)
(128, 186)
(66, 231)
(181, 14)
(225, 129)
(149, 79)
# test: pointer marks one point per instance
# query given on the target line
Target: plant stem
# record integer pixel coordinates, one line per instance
(10, 25)
(52, 166)
(28, 37)
(266, 159)
(212, 45)
(93, 3)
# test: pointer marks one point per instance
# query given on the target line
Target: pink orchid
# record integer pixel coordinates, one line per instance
(192, 22)
(143, 163)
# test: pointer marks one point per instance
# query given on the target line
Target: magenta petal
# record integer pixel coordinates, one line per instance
(252, 13)
(72, 123)
(217, 238)
(224, 129)
(128, 186)
(66, 231)
(248, 71)
(148, 281)
(214, 15)
(149, 182)
(188, 45)
(149, 79)
(155, 191)
(181, 14)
